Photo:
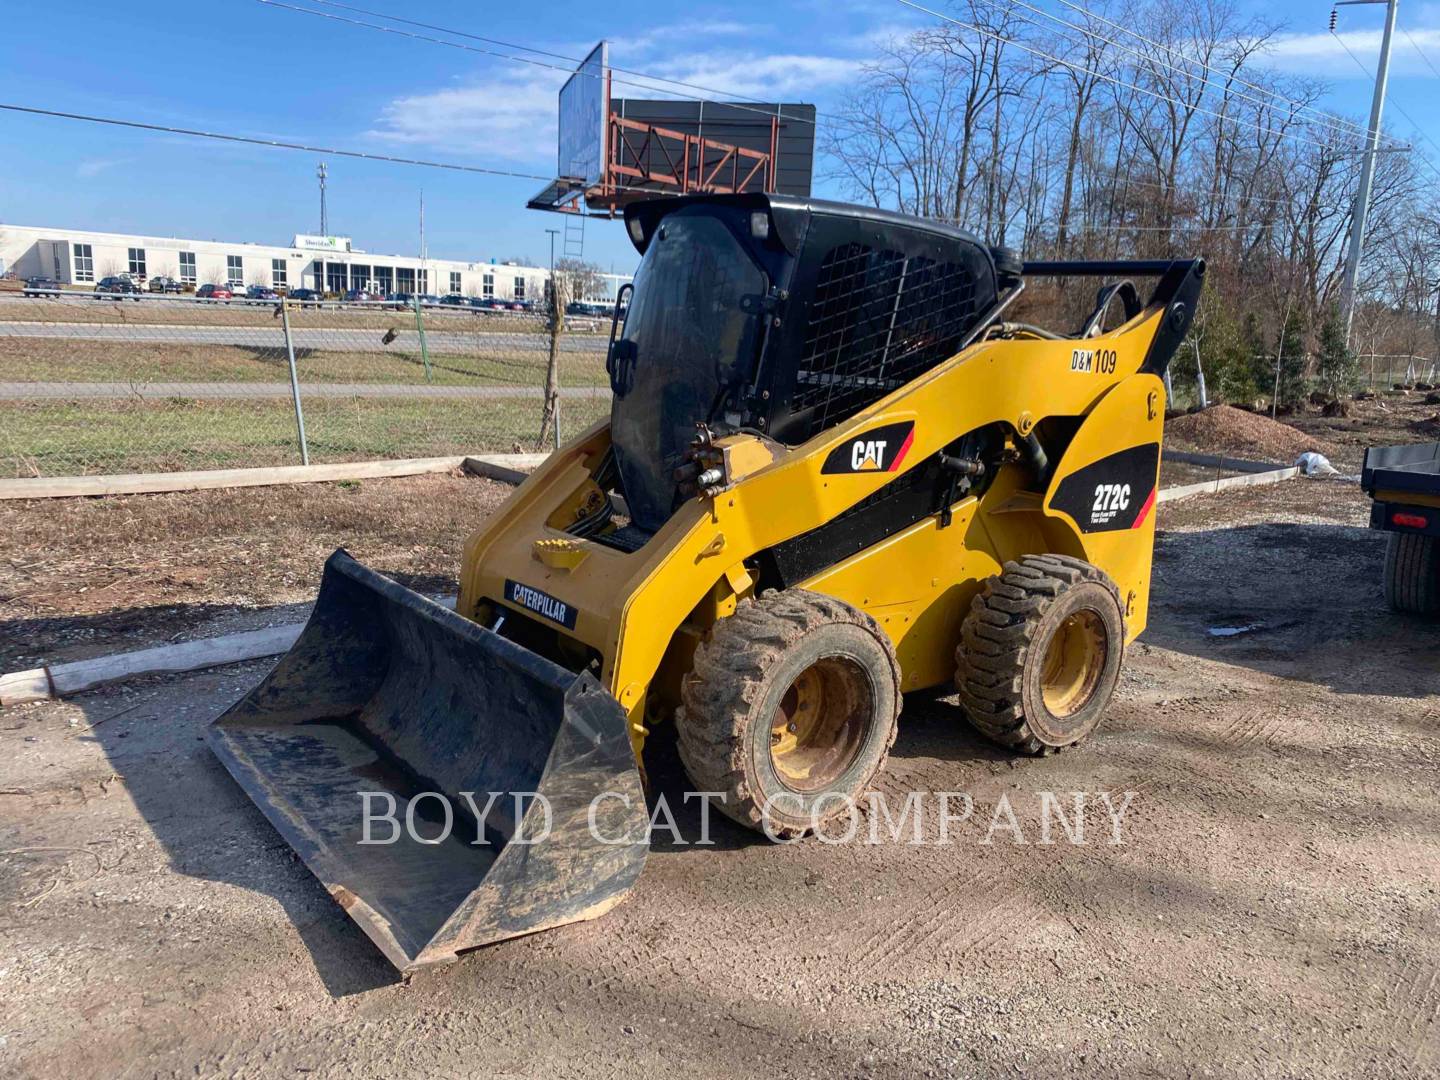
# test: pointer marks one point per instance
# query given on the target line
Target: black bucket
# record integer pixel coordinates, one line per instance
(389, 693)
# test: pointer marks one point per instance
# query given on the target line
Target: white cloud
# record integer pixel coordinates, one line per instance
(506, 116)
(93, 167)
(508, 112)
(1323, 54)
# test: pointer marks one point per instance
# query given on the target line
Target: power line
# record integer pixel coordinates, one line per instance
(1173, 51)
(1420, 52)
(274, 144)
(1107, 78)
(398, 32)
(1338, 125)
(555, 56)
(1398, 107)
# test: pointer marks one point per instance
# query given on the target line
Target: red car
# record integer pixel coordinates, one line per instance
(214, 292)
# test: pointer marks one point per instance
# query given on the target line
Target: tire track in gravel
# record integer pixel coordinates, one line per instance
(1414, 1003)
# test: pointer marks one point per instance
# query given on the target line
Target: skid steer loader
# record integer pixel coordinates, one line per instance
(832, 474)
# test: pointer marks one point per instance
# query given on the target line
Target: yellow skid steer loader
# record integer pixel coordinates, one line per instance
(832, 474)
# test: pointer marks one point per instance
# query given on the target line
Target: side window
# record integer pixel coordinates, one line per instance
(878, 320)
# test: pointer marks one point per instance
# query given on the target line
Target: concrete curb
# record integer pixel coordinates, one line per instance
(61, 680)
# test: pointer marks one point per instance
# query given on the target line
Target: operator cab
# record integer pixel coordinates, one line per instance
(777, 315)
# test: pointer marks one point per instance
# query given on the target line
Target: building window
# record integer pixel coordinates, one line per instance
(519, 288)
(277, 274)
(137, 262)
(187, 268)
(84, 262)
(235, 269)
(422, 280)
(487, 286)
(454, 281)
(405, 279)
(384, 280)
(335, 279)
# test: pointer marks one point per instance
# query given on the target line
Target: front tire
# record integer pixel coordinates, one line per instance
(1040, 653)
(789, 711)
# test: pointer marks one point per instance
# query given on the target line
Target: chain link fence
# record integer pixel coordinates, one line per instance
(94, 383)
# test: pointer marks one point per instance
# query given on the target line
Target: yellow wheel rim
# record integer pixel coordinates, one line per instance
(1074, 661)
(820, 724)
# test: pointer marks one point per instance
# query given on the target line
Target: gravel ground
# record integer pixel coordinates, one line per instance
(88, 577)
(1270, 912)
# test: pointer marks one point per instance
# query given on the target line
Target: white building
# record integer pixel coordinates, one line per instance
(327, 263)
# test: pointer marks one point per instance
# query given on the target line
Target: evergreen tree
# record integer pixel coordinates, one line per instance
(1338, 365)
(1291, 359)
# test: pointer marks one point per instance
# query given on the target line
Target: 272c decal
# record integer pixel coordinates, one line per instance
(1116, 492)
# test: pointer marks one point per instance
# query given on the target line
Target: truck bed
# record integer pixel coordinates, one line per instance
(1404, 481)
(1414, 467)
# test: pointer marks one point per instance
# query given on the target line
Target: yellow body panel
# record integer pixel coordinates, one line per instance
(641, 613)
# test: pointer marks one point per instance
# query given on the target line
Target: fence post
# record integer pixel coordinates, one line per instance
(294, 382)
(424, 349)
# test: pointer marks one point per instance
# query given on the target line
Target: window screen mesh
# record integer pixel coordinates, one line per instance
(879, 319)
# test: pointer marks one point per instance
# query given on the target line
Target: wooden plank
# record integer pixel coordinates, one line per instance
(61, 680)
(1216, 461)
(45, 487)
(19, 686)
(507, 468)
(1226, 483)
(185, 656)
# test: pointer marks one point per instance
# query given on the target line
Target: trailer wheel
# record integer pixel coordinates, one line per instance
(789, 710)
(1412, 574)
(1040, 653)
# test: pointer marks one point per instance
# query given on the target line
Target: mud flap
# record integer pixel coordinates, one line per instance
(389, 693)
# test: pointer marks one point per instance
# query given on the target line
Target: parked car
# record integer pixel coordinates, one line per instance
(117, 287)
(360, 296)
(261, 292)
(214, 292)
(429, 299)
(307, 297)
(484, 303)
(400, 301)
(453, 300)
(41, 286)
(163, 283)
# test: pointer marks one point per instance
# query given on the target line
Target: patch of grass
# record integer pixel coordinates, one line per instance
(59, 360)
(48, 438)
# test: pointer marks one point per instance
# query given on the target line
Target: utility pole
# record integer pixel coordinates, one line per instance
(322, 172)
(1367, 168)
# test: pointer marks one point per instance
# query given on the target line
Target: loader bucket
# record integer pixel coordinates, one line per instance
(389, 693)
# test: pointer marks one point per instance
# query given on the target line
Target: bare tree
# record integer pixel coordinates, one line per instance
(571, 280)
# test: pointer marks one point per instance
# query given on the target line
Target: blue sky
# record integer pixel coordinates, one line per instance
(256, 69)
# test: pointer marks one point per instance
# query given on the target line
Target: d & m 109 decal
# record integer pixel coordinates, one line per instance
(541, 603)
(1094, 361)
(1116, 492)
(880, 449)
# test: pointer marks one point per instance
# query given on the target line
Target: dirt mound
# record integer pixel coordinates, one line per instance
(1223, 429)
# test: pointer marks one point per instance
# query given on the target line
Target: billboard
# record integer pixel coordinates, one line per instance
(583, 105)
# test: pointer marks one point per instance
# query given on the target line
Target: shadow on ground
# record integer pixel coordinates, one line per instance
(1300, 601)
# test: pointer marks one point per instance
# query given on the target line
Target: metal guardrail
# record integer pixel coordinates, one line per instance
(99, 383)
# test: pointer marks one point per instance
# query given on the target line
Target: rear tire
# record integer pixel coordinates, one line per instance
(1040, 653)
(789, 711)
(1412, 574)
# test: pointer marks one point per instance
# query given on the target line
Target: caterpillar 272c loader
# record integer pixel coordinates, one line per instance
(832, 474)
